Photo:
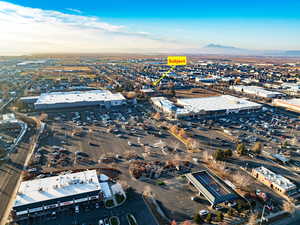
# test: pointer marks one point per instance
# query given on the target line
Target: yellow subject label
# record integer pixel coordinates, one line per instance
(176, 60)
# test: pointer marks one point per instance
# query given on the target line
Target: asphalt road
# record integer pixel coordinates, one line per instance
(134, 205)
(10, 173)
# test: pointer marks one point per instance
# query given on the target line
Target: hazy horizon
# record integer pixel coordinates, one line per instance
(35, 27)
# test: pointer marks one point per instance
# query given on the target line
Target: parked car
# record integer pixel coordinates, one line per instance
(76, 209)
(203, 212)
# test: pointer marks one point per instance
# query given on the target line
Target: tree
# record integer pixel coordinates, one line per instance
(257, 148)
(241, 205)
(285, 144)
(197, 218)
(148, 191)
(218, 155)
(157, 116)
(43, 116)
(241, 149)
(289, 207)
(230, 212)
(228, 153)
(252, 219)
(194, 144)
(131, 94)
(182, 132)
(206, 156)
(208, 218)
(219, 217)
(174, 129)
(176, 146)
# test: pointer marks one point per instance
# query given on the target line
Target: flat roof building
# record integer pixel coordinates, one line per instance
(211, 187)
(275, 181)
(290, 104)
(223, 104)
(54, 100)
(58, 191)
(255, 90)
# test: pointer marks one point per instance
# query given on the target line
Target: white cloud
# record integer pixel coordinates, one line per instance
(74, 10)
(30, 30)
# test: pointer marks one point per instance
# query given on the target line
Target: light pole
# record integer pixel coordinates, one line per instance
(262, 215)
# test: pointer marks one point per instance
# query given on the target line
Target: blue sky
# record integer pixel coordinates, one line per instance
(268, 25)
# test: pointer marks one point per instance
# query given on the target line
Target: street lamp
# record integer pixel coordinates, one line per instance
(262, 215)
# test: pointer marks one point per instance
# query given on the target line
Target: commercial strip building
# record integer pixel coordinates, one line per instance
(223, 104)
(277, 182)
(57, 192)
(290, 104)
(56, 100)
(211, 187)
(257, 91)
(291, 88)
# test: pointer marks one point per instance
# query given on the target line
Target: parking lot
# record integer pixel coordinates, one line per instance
(90, 214)
(84, 138)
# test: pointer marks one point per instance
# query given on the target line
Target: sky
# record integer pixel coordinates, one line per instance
(95, 26)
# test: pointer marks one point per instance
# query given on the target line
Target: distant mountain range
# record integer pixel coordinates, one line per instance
(231, 50)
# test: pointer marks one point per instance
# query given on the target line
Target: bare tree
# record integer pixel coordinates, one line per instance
(182, 133)
(174, 129)
(194, 144)
(124, 184)
(43, 116)
(289, 207)
(176, 146)
(148, 191)
(241, 180)
(206, 156)
(252, 219)
(157, 116)
(131, 94)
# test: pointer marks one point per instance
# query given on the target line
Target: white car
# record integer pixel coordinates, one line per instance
(76, 209)
(101, 222)
(203, 212)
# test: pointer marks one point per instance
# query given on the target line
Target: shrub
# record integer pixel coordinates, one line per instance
(109, 203)
(161, 183)
(219, 217)
(114, 221)
(228, 153)
(119, 198)
(230, 212)
(218, 155)
(197, 218)
(208, 218)
(241, 205)
(241, 149)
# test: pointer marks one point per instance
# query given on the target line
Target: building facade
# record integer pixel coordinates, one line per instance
(41, 196)
(277, 182)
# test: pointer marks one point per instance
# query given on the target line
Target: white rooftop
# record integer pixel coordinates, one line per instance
(216, 103)
(293, 101)
(277, 179)
(255, 90)
(78, 96)
(57, 187)
(8, 116)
